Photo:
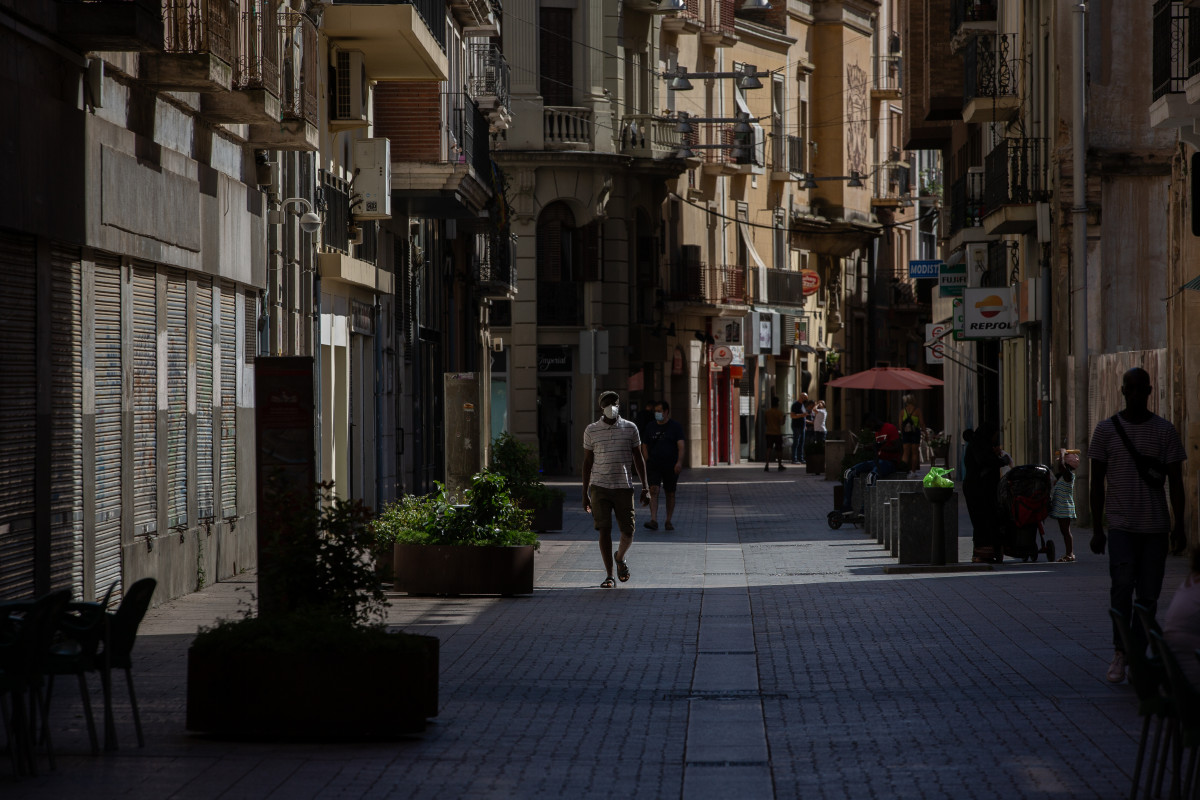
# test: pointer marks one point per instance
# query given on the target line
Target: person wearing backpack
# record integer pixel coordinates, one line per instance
(1133, 453)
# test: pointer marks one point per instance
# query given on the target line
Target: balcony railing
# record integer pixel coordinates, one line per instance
(720, 17)
(568, 128)
(784, 286)
(1193, 42)
(368, 249)
(489, 72)
(1169, 60)
(466, 133)
(335, 228)
(200, 26)
(971, 11)
(434, 14)
(887, 74)
(890, 182)
(1015, 173)
(258, 48)
(966, 202)
(787, 154)
(725, 283)
(492, 265)
(714, 133)
(298, 60)
(991, 66)
(648, 136)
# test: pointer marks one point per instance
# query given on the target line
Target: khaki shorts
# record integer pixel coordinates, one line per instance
(606, 502)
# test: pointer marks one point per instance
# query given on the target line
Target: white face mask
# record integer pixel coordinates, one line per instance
(658, 416)
(611, 411)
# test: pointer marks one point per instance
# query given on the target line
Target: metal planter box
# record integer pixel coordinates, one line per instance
(463, 569)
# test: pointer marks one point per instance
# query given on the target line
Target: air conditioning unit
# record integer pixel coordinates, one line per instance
(372, 179)
(350, 91)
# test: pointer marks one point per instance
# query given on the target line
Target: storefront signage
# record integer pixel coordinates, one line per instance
(925, 269)
(952, 280)
(989, 313)
(727, 331)
(935, 353)
(810, 282)
(362, 318)
(722, 356)
(554, 359)
(802, 331)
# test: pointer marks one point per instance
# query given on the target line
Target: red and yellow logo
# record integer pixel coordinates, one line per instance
(990, 306)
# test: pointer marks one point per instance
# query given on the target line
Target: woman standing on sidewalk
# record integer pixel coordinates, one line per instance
(981, 466)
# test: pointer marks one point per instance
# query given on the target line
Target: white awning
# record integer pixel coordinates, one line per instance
(760, 291)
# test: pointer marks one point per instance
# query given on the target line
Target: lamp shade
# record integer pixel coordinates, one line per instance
(756, 5)
(749, 82)
(671, 6)
(809, 181)
(855, 181)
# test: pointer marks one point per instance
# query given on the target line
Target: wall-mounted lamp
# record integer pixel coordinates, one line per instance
(310, 221)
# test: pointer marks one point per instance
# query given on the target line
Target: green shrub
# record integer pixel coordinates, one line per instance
(488, 517)
(301, 634)
(517, 462)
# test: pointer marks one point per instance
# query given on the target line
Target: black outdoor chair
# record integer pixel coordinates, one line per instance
(1148, 680)
(116, 652)
(1185, 701)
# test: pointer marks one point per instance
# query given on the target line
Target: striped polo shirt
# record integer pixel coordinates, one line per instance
(612, 447)
(1130, 503)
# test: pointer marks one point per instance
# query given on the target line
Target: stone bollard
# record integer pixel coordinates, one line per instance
(916, 528)
(835, 451)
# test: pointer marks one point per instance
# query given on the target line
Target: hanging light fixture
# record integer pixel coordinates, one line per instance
(682, 125)
(742, 126)
(756, 5)
(671, 6)
(684, 152)
(748, 79)
(680, 82)
(809, 182)
(855, 180)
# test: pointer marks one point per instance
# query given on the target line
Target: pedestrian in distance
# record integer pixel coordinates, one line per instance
(819, 414)
(1133, 453)
(982, 461)
(1062, 500)
(662, 447)
(610, 444)
(910, 434)
(774, 434)
(798, 428)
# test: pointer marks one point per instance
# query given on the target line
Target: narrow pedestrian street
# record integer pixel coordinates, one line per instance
(754, 653)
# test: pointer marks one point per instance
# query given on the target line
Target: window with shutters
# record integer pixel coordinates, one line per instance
(227, 356)
(66, 438)
(557, 69)
(108, 425)
(177, 379)
(204, 398)
(559, 251)
(145, 400)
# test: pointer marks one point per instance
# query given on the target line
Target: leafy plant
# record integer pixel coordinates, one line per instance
(939, 441)
(488, 517)
(517, 462)
(302, 634)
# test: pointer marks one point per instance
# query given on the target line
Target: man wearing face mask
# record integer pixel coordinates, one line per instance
(609, 444)
(662, 447)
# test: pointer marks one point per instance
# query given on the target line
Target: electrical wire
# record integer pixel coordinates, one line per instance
(882, 225)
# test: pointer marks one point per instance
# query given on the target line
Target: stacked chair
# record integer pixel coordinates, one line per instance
(1148, 680)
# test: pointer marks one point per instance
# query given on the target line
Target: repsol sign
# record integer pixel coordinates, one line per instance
(989, 313)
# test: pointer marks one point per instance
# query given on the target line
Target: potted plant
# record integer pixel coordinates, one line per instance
(483, 545)
(518, 463)
(316, 661)
(939, 445)
(814, 456)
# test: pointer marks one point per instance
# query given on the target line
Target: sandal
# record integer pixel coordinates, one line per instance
(608, 583)
(622, 569)
(1067, 559)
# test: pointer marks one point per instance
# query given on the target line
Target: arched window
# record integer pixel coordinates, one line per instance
(559, 275)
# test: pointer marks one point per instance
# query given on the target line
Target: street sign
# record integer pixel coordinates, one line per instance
(810, 282)
(952, 280)
(936, 352)
(925, 269)
(989, 313)
(722, 355)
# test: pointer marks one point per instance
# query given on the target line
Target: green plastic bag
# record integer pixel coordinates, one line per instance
(939, 477)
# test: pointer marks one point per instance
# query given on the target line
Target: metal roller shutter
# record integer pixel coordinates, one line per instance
(177, 351)
(66, 439)
(204, 398)
(18, 409)
(108, 423)
(145, 401)
(228, 359)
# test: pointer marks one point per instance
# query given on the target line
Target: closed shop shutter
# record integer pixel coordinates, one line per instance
(251, 326)
(177, 332)
(228, 358)
(108, 423)
(204, 397)
(66, 439)
(18, 409)
(145, 401)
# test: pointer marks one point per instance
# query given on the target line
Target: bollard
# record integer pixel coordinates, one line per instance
(938, 495)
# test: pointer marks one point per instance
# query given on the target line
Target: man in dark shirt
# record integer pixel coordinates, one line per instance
(662, 446)
(799, 429)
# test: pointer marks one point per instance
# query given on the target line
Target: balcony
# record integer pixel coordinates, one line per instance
(967, 210)
(447, 175)
(198, 40)
(787, 157)
(720, 27)
(112, 25)
(492, 266)
(298, 111)
(476, 17)
(991, 91)
(568, 128)
(697, 283)
(1174, 33)
(887, 85)
(784, 287)
(1016, 179)
(721, 160)
(970, 17)
(256, 71)
(488, 83)
(648, 136)
(400, 41)
(686, 21)
(340, 259)
(889, 185)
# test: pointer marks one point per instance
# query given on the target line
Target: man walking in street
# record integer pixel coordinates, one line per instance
(1132, 454)
(798, 413)
(662, 447)
(774, 434)
(609, 444)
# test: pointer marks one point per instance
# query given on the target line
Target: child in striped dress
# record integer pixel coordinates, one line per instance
(1062, 499)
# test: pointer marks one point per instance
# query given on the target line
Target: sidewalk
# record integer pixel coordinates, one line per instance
(754, 653)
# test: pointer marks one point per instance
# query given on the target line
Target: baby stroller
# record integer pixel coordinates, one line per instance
(1023, 501)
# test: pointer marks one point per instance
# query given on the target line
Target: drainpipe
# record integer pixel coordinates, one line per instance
(1079, 290)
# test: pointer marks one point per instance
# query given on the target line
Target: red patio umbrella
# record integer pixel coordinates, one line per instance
(886, 379)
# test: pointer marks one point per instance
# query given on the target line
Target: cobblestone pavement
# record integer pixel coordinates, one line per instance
(754, 653)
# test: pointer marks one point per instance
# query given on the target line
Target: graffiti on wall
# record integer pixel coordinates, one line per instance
(858, 118)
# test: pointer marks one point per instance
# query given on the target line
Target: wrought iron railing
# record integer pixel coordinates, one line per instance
(714, 133)
(966, 202)
(991, 63)
(787, 154)
(890, 182)
(1193, 42)
(492, 265)
(887, 74)
(1015, 172)
(489, 72)
(1169, 58)
(720, 16)
(368, 249)
(335, 201)
(784, 286)
(298, 67)
(971, 11)
(648, 135)
(258, 48)
(433, 12)
(466, 133)
(568, 126)
(200, 26)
